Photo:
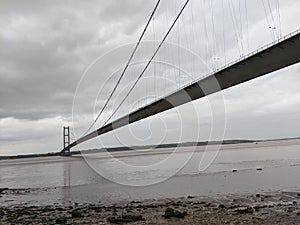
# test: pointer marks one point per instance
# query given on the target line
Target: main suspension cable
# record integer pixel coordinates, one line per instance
(125, 68)
(149, 62)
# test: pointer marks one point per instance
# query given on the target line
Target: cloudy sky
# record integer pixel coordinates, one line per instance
(61, 59)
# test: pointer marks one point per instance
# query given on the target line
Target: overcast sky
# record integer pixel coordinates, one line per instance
(47, 46)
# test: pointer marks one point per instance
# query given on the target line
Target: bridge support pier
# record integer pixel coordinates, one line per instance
(66, 141)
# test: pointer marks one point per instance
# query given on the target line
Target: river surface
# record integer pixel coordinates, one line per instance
(235, 169)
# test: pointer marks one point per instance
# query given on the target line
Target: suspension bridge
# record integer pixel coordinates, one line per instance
(280, 53)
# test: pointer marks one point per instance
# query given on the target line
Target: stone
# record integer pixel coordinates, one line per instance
(290, 209)
(2, 190)
(257, 207)
(76, 214)
(244, 210)
(170, 213)
(207, 204)
(47, 209)
(125, 218)
(222, 206)
(190, 197)
(61, 220)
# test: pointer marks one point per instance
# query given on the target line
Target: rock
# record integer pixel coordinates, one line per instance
(257, 195)
(60, 209)
(94, 208)
(234, 170)
(222, 206)
(133, 218)
(295, 203)
(2, 213)
(290, 209)
(169, 213)
(190, 197)
(174, 204)
(233, 206)
(153, 205)
(61, 220)
(2, 190)
(76, 214)
(125, 218)
(46, 209)
(207, 204)
(257, 207)
(259, 169)
(244, 210)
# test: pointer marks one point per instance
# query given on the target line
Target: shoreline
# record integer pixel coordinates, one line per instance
(146, 147)
(259, 208)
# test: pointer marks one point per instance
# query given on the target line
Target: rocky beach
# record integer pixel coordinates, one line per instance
(260, 208)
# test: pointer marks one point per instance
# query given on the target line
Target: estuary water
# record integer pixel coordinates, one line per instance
(234, 169)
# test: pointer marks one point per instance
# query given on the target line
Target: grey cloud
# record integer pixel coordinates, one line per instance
(48, 46)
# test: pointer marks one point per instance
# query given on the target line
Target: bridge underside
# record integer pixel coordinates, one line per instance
(276, 57)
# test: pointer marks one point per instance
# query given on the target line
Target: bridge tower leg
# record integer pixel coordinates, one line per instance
(66, 141)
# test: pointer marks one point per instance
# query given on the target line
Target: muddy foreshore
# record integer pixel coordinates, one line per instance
(260, 208)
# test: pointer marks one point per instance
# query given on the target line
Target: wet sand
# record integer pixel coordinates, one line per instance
(259, 208)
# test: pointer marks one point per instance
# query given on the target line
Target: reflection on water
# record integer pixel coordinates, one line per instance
(67, 181)
(71, 179)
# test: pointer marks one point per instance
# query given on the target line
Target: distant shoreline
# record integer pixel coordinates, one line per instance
(171, 145)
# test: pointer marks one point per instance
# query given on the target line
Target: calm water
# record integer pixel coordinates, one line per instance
(67, 180)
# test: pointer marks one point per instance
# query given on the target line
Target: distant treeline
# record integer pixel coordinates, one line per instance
(172, 145)
(30, 156)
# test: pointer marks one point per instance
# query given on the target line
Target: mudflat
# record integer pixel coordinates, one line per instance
(259, 208)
